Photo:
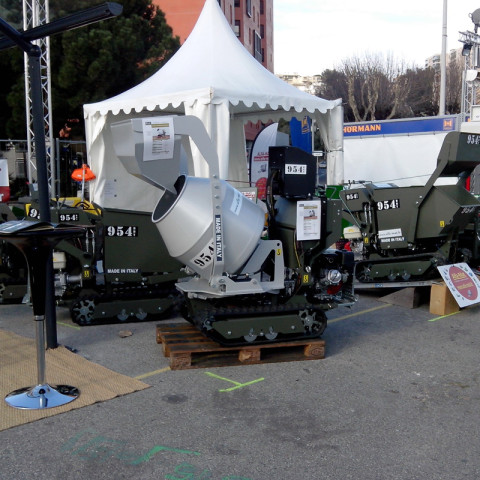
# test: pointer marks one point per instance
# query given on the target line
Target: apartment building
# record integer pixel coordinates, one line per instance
(306, 83)
(454, 55)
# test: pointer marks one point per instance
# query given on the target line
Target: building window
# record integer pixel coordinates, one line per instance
(248, 7)
(262, 30)
(237, 3)
(237, 27)
(262, 7)
(258, 47)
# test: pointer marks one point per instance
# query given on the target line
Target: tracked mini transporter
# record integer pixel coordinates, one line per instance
(118, 271)
(404, 233)
(252, 276)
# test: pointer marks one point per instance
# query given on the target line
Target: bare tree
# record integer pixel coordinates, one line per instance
(375, 86)
(454, 85)
(422, 99)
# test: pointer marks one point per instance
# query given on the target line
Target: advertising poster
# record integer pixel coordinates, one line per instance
(308, 220)
(158, 138)
(259, 159)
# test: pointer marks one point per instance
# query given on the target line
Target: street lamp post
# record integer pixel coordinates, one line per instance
(443, 62)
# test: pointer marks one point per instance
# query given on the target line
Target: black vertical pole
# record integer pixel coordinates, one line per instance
(38, 121)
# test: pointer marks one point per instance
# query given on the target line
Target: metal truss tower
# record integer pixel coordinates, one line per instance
(36, 13)
(471, 44)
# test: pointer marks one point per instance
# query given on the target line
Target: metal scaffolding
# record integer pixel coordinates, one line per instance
(471, 77)
(36, 13)
(471, 43)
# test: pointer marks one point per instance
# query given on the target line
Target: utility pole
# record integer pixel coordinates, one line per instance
(443, 62)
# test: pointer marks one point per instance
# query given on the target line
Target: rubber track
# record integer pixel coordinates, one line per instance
(222, 313)
(121, 295)
(400, 259)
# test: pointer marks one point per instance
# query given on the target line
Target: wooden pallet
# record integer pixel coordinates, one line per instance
(187, 348)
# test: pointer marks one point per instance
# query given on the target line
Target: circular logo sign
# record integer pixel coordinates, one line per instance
(463, 283)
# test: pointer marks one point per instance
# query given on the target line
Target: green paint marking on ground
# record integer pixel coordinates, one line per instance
(360, 313)
(241, 385)
(150, 374)
(68, 325)
(443, 316)
(210, 374)
(237, 384)
(159, 448)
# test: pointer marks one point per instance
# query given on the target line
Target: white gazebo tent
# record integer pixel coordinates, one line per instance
(213, 77)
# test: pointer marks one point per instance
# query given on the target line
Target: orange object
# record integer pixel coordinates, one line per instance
(83, 174)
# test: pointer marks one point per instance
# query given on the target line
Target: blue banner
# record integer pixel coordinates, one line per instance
(392, 127)
(301, 133)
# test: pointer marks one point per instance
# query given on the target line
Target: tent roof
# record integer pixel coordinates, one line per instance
(212, 66)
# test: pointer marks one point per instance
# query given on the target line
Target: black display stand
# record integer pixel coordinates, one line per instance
(36, 241)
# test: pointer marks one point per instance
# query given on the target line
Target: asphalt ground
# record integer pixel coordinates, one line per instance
(397, 397)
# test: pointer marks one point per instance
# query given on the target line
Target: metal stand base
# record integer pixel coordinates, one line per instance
(36, 241)
(42, 396)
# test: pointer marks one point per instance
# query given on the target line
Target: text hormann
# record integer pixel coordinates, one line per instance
(362, 128)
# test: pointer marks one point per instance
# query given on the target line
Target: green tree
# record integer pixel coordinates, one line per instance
(333, 85)
(107, 58)
(11, 61)
(96, 62)
(11, 12)
(12, 95)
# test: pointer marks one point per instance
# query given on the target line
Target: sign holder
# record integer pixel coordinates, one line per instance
(463, 284)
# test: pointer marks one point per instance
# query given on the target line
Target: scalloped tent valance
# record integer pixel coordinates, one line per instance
(213, 77)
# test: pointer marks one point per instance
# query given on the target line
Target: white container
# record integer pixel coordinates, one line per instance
(59, 260)
(352, 232)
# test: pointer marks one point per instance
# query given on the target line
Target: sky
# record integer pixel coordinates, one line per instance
(311, 36)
